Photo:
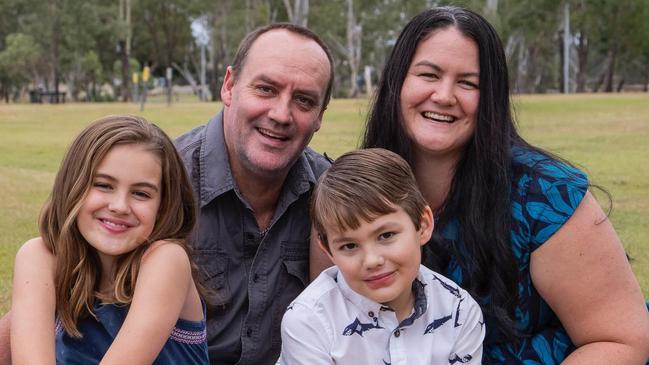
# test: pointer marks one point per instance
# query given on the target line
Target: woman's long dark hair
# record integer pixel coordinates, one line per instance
(479, 197)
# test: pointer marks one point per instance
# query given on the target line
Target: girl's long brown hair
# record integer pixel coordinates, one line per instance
(78, 269)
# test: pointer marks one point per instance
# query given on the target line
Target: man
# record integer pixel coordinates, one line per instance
(253, 173)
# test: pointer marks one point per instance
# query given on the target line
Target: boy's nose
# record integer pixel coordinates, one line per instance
(373, 259)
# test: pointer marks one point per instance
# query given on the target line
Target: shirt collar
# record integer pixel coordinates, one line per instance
(368, 305)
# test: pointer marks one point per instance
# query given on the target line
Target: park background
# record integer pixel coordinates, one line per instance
(579, 68)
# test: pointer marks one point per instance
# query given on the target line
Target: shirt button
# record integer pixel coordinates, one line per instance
(397, 333)
(248, 332)
(371, 314)
(255, 278)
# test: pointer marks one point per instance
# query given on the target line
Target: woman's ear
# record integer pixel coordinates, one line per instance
(426, 225)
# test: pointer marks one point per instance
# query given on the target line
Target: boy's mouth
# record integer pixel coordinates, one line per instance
(380, 280)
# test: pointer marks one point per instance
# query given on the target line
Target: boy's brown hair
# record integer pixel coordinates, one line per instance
(362, 185)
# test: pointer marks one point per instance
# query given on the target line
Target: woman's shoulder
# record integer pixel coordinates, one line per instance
(531, 163)
(545, 193)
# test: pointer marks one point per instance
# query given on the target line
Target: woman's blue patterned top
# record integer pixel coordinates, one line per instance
(544, 195)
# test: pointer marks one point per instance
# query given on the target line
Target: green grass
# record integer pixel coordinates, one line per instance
(607, 135)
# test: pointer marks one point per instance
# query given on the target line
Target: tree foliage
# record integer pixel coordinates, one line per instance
(78, 43)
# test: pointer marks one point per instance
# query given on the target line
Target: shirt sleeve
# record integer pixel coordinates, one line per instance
(304, 338)
(545, 197)
(468, 343)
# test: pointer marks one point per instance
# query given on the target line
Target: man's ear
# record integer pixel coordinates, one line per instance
(226, 88)
(426, 225)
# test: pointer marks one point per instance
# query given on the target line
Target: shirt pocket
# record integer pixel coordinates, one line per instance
(295, 258)
(212, 274)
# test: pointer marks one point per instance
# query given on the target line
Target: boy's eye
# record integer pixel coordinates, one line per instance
(386, 235)
(347, 247)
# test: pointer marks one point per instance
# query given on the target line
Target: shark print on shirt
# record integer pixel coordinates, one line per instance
(437, 324)
(358, 327)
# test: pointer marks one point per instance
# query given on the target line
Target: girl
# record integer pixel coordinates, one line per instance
(110, 279)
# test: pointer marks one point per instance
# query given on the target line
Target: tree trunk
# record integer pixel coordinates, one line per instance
(56, 41)
(522, 71)
(582, 63)
(220, 54)
(354, 31)
(610, 69)
(298, 12)
(251, 12)
(125, 48)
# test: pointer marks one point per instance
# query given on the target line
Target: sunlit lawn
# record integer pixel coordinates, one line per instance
(607, 135)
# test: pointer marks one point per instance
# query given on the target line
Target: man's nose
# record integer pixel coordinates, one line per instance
(281, 110)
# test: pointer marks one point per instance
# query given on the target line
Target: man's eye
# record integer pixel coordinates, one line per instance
(304, 101)
(265, 89)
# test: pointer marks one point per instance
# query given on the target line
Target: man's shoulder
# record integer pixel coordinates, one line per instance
(190, 140)
(317, 162)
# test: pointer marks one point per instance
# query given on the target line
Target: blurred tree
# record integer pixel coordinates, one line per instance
(17, 64)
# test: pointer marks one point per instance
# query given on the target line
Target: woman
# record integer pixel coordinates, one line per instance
(515, 226)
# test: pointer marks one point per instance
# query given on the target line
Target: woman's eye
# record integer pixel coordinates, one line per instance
(428, 75)
(469, 85)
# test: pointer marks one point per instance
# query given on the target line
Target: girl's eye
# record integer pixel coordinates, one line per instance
(101, 186)
(141, 195)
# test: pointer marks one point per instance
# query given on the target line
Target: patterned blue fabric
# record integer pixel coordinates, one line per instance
(187, 343)
(545, 193)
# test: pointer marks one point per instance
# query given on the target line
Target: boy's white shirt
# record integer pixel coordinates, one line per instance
(329, 323)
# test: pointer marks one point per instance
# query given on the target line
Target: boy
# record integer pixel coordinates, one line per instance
(378, 305)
